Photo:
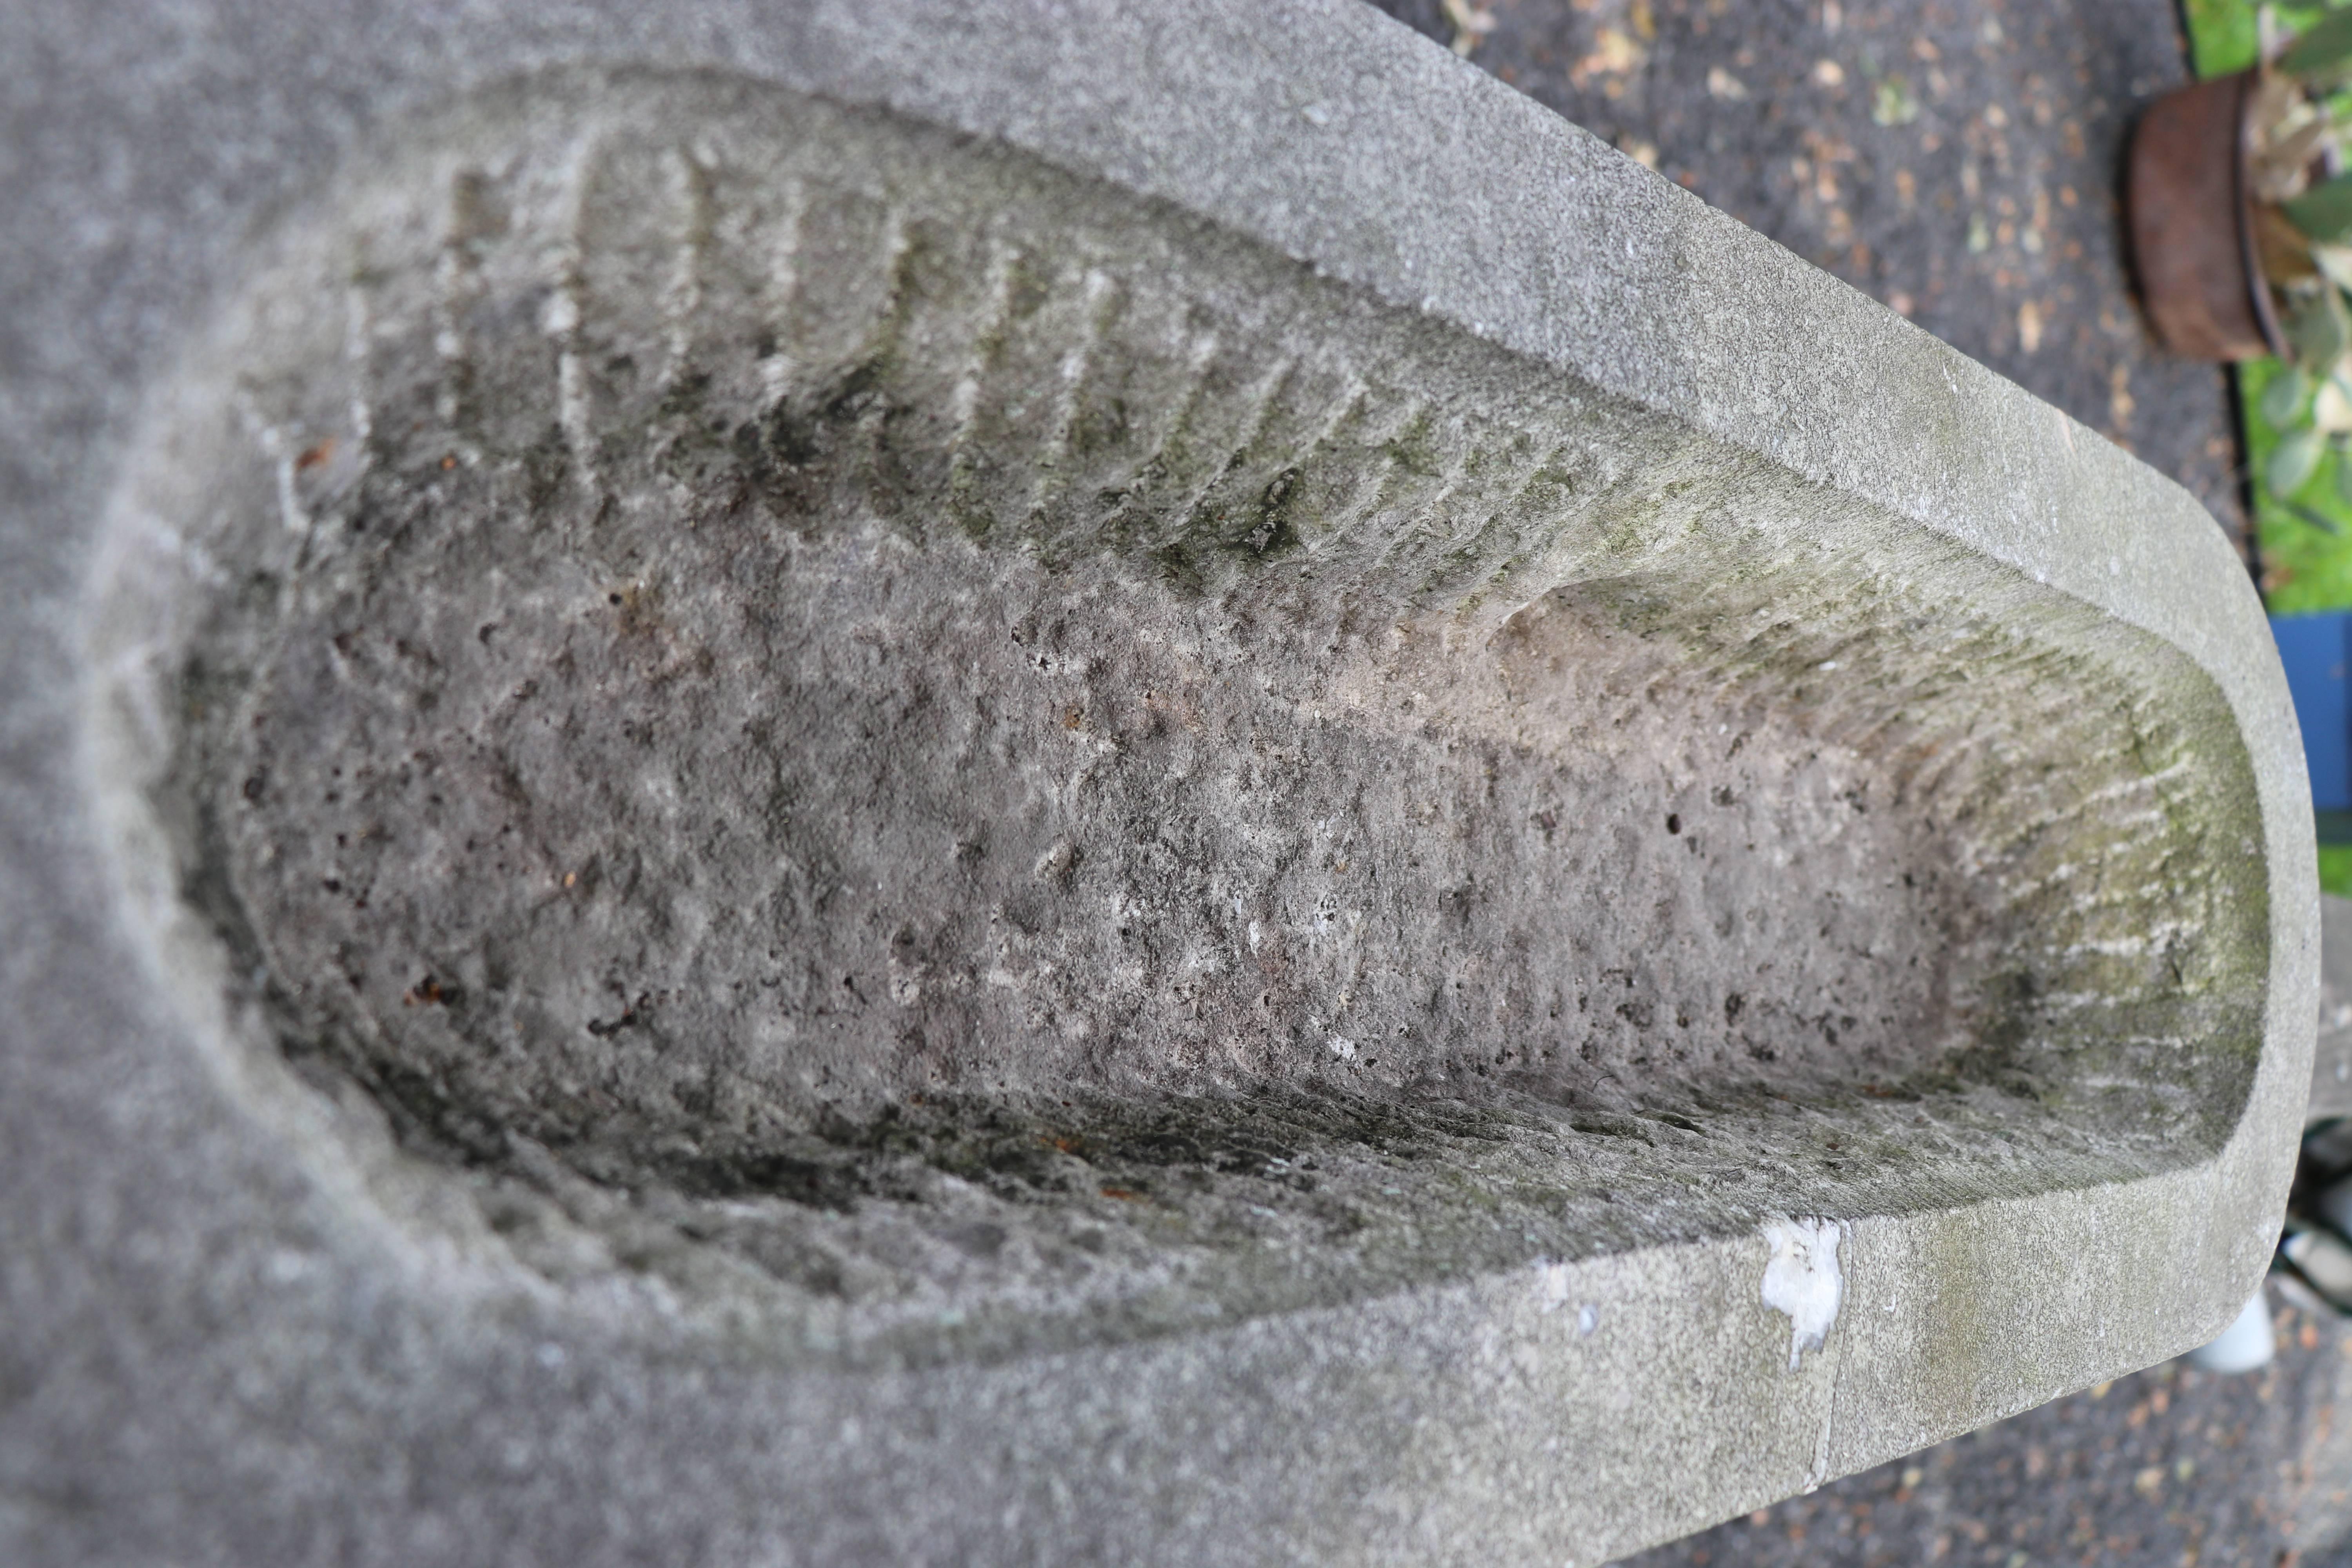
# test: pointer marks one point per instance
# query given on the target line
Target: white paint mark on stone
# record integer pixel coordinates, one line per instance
(1343, 1048)
(289, 499)
(1551, 1286)
(1588, 1318)
(1803, 1280)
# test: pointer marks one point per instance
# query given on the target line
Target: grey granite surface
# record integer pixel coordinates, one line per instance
(695, 691)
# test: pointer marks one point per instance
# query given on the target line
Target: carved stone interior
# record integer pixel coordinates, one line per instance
(848, 721)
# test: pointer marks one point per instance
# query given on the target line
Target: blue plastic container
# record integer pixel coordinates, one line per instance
(2317, 651)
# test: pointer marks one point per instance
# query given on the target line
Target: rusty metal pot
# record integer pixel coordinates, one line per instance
(2192, 225)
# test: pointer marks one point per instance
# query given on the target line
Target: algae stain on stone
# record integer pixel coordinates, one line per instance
(1803, 1280)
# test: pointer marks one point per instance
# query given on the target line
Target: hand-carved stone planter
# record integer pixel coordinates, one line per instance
(927, 817)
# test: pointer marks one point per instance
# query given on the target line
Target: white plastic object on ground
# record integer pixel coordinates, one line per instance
(2326, 1262)
(2244, 1346)
(2335, 1206)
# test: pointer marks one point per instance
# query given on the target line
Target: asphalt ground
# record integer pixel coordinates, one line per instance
(2169, 1466)
(1961, 161)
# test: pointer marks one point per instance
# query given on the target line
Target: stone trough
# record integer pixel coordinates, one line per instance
(906, 782)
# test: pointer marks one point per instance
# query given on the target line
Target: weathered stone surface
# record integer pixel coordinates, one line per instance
(893, 787)
(2331, 1056)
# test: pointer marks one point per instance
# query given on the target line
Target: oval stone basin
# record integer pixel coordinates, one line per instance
(765, 695)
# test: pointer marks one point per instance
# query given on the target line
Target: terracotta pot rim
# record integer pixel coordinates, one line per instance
(2257, 283)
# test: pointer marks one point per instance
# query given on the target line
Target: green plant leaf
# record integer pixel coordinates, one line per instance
(2324, 212)
(2292, 462)
(2320, 330)
(1893, 104)
(2330, 413)
(2282, 399)
(2323, 52)
(2335, 262)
